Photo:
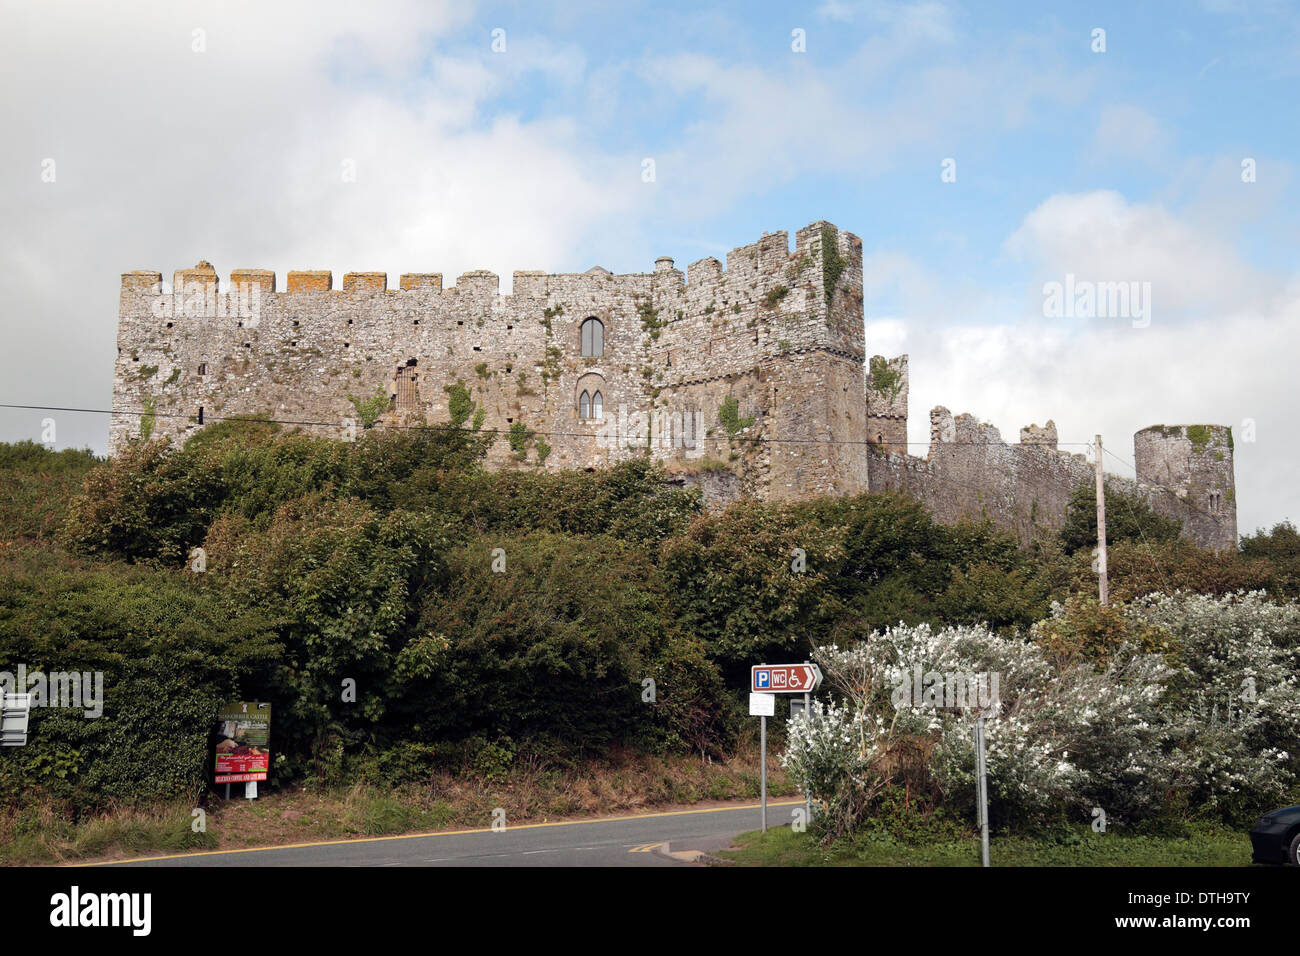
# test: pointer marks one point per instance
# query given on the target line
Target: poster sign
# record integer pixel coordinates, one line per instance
(243, 742)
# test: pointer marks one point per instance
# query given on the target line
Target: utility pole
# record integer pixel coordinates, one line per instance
(1103, 585)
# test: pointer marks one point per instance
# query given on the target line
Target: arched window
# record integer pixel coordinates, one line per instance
(584, 406)
(593, 338)
(597, 406)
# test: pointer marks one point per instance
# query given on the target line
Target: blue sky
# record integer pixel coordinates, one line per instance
(1117, 165)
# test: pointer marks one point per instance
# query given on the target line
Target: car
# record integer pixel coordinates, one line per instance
(1275, 837)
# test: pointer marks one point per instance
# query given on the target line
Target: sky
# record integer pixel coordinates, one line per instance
(981, 151)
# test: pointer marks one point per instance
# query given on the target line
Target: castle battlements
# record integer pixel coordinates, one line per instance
(770, 257)
(692, 365)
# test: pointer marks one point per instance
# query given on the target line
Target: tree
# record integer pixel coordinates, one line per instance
(1128, 518)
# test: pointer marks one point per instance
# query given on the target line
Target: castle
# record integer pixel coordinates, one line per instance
(747, 380)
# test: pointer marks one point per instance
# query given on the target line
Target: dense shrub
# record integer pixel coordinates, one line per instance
(1234, 705)
(169, 649)
(1173, 705)
(352, 584)
(36, 487)
(149, 503)
(551, 644)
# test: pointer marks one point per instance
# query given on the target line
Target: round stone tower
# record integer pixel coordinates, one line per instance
(1193, 463)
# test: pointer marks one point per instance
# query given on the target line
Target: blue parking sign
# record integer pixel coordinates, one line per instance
(763, 679)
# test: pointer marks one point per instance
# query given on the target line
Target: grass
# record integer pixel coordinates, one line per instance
(1202, 845)
(40, 835)
(624, 783)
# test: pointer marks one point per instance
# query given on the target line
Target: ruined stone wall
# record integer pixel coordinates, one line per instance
(758, 331)
(777, 332)
(970, 472)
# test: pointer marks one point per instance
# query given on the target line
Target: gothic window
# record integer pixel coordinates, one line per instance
(597, 406)
(593, 338)
(584, 406)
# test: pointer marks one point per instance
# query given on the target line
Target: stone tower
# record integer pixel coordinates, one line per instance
(1194, 462)
(886, 388)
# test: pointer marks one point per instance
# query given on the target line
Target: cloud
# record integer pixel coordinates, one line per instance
(925, 21)
(1102, 375)
(1127, 132)
(1101, 237)
(903, 96)
(230, 144)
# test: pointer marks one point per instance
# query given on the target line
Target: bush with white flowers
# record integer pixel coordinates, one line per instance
(1234, 708)
(1066, 734)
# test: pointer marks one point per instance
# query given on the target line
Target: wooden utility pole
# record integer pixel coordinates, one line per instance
(1103, 585)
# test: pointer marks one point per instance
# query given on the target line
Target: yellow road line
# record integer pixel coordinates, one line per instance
(438, 833)
(644, 848)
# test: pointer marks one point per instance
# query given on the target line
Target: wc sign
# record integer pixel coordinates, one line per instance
(784, 678)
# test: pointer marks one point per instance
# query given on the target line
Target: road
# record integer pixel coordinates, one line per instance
(650, 839)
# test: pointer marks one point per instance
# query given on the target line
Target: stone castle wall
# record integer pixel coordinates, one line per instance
(970, 472)
(759, 331)
(779, 332)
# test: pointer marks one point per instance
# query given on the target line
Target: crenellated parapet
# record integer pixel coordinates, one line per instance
(758, 324)
(601, 367)
(970, 472)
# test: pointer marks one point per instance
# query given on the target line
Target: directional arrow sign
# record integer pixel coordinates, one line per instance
(784, 678)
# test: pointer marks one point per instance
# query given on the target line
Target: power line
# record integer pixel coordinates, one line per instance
(757, 439)
(1191, 505)
(760, 439)
(1138, 521)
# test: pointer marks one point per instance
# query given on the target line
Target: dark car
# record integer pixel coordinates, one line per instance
(1275, 838)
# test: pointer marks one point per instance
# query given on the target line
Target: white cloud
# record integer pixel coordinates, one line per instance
(926, 21)
(1103, 375)
(235, 154)
(904, 96)
(1127, 132)
(1101, 237)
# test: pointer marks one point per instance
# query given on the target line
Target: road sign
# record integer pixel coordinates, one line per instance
(762, 705)
(784, 678)
(14, 711)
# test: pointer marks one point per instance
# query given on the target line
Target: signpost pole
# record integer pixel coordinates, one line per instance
(763, 746)
(981, 789)
(807, 794)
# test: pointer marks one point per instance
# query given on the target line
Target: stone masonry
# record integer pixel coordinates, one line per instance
(747, 380)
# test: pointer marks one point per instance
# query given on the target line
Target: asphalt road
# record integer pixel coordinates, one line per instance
(653, 839)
